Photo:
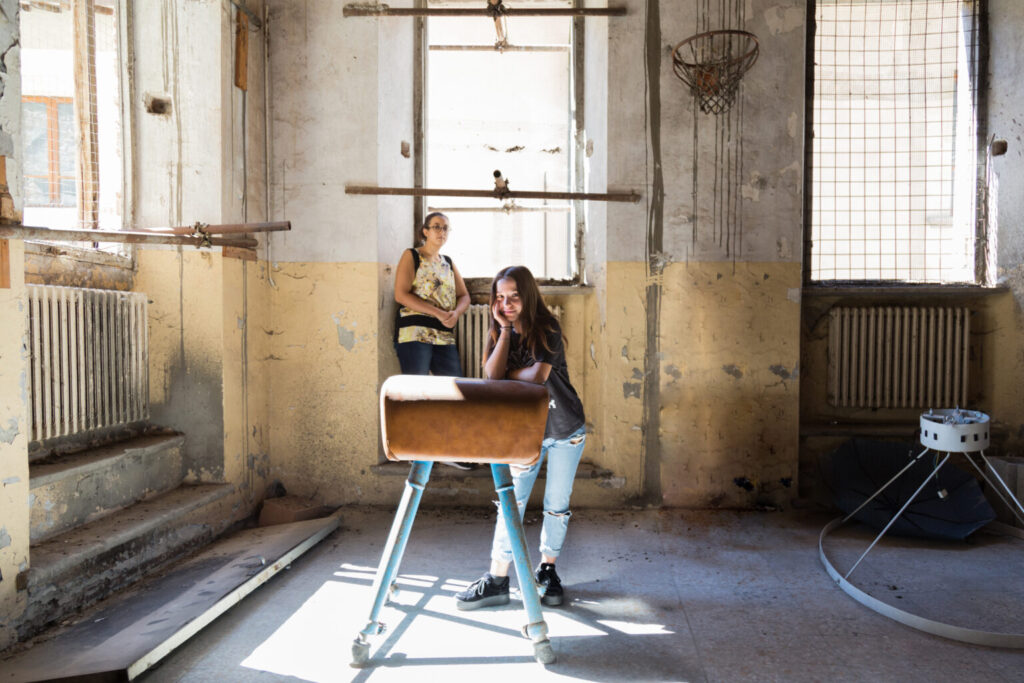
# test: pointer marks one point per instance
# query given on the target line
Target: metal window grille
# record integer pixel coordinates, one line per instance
(894, 160)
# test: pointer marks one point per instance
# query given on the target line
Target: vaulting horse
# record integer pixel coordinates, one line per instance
(427, 419)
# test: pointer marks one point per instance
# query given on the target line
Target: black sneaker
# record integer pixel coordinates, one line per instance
(487, 591)
(548, 578)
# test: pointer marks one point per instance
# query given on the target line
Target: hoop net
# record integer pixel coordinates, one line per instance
(712, 65)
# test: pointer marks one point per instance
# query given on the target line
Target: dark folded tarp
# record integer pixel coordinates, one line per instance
(859, 467)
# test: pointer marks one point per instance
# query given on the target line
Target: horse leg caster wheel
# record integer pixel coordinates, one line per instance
(543, 652)
(360, 654)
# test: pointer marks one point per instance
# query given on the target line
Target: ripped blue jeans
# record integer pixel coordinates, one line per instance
(563, 456)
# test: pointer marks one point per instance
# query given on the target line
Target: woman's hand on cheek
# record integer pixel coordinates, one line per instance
(498, 317)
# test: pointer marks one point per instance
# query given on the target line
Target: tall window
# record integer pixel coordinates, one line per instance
(894, 149)
(60, 100)
(507, 109)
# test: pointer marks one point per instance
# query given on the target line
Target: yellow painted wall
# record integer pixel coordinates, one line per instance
(321, 360)
(208, 339)
(186, 347)
(729, 399)
(1001, 362)
(14, 477)
(246, 307)
(728, 350)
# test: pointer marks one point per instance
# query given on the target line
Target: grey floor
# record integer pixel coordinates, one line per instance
(653, 596)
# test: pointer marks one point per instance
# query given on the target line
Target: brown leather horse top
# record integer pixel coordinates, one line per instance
(463, 420)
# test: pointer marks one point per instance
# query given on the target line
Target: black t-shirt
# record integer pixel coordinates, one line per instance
(565, 410)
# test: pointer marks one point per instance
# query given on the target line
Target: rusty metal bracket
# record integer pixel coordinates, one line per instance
(496, 9)
(200, 230)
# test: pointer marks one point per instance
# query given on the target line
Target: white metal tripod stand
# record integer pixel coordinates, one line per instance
(943, 431)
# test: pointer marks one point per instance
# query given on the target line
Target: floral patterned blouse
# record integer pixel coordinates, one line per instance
(435, 283)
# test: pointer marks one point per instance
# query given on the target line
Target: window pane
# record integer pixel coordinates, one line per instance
(37, 191)
(66, 131)
(33, 134)
(533, 239)
(67, 192)
(506, 110)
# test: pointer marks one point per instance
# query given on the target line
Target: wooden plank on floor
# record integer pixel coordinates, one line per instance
(134, 631)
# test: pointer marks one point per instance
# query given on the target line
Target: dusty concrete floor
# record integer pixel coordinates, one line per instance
(653, 596)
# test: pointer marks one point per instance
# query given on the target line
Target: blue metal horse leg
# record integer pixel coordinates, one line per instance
(419, 473)
(536, 630)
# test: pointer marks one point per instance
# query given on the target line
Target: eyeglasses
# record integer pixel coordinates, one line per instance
(438, 226)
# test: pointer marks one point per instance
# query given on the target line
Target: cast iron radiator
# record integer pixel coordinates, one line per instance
(89, 364)
(898, 357)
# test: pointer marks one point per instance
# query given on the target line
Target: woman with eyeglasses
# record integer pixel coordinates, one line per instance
(432, 296)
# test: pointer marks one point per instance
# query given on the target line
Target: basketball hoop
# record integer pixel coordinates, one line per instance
(712, 64)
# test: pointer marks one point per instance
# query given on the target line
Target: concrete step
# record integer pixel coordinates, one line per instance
(74, 489)
(79, 567)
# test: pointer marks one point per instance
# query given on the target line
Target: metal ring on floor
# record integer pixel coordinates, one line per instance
(938, 628)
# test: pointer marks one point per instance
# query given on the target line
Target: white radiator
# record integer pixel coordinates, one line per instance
(898, 357)
(471, 335)
(89, 359)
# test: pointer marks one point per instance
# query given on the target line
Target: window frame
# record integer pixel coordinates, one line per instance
(984, 271)
(480, 286)
(123, 27)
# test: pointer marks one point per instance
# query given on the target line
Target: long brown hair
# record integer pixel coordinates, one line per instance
(535, 320)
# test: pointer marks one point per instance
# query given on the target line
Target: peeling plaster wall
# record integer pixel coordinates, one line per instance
(701, 336)
(186, 351)
(323, 71)
(14, 481)
(323, 365)
(1006, 121)
(179, 162)
(10, 95)
(246, 379)
(14, 477)
(204, 161)
(342, 105)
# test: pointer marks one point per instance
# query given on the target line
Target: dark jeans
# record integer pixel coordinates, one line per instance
(417, 358)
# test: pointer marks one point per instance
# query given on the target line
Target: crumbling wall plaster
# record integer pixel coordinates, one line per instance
(246, 412)
(322, 363)
(324, 110)
(179, 155)
(14, 353)
(1005, 122)
(14, 475)
(730, 409)
(730, 211)
(186, 351)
